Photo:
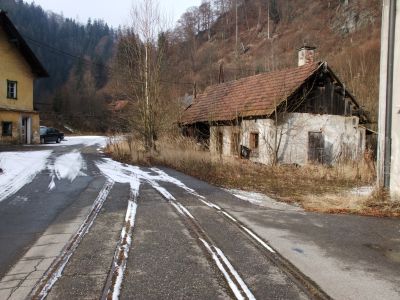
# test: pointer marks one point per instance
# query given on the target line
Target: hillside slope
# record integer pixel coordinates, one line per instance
(75, 56)
(347, 36)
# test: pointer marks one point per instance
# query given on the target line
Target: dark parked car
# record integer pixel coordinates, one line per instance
(49, 134)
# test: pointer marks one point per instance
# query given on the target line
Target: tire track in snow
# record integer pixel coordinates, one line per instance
(134, 175)
(55, 271)
(115, 278)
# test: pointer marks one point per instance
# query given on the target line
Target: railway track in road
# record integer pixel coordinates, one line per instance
(236, 283)
(54, 272)
(303, 281)
(229, 270)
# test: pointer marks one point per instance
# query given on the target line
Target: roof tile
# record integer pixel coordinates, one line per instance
(251, 96)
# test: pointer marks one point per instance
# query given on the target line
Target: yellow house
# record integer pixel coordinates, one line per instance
(19, 67)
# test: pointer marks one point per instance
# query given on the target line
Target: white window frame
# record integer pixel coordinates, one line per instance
(12, 89)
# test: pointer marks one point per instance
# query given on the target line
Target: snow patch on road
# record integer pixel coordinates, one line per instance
(19, 169)
(86, 141)
(67, 166)
(123, 250)
(261, 200)
(121, 173)
(133, 175)
(162, 176)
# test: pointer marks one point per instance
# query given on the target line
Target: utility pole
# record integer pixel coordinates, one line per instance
(268, 18)
(237, 37)
(148, 137)
(388, 164)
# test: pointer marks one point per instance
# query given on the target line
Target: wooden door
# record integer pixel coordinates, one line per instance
(316, 147)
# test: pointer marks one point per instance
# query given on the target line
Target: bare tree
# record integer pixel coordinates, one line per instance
(138, 70)
(206, 17)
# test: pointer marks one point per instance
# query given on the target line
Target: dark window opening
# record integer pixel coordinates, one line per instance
(220, 142)
(254, 140)
(11, 89)
(316, 147)
(6, 129)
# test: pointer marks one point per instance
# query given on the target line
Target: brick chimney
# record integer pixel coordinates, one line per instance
(306, 55)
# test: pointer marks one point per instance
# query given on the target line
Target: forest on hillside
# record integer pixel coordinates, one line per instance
(98, 66)
(74, 54)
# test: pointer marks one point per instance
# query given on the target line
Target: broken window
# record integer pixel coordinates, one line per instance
(235, 143)
(6, 129)
(220, 142)
(11, 89)
(254, 140)
(316, 146)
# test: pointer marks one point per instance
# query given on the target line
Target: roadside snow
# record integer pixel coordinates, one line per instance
(87, 141)
(261, 200)
(19, 169)
(67, 166)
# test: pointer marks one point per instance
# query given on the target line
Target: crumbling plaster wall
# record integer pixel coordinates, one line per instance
(343, 138)
(265, 129)
(227, 136)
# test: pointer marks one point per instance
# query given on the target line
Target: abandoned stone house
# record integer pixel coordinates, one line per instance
(293, 116)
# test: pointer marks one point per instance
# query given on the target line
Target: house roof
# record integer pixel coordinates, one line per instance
(16, 38)
(257, 95)
(118, 105)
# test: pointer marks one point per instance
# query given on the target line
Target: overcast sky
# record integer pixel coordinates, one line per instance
(114, 12)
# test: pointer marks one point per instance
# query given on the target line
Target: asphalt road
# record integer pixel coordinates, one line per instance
(185, 239)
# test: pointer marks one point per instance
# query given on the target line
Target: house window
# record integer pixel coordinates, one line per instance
(235, 143)
(6, 129)
(11, 89)
(254, 140)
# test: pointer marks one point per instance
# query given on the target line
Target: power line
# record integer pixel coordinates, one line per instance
(65, 53)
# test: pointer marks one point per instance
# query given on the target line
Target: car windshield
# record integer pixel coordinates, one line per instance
(43, 130)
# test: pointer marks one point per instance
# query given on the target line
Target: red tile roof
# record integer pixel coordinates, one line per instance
(252, 96)
(118, 105)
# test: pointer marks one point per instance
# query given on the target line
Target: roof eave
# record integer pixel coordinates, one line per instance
(12, 32)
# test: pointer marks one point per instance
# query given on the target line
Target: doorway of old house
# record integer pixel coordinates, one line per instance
(235, 143)
(316, 146)
(26, 130)
(220, 142)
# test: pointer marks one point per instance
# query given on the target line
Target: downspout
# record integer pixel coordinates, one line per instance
(389, 94)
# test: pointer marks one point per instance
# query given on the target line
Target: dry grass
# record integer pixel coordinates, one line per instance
(314, 187)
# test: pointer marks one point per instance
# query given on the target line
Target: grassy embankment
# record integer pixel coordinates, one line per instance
(328, 189)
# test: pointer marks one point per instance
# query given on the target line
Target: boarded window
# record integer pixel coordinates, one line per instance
(316, 146)
(235, 143)
(254, 140)
(220, 142)
(6, 129)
